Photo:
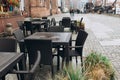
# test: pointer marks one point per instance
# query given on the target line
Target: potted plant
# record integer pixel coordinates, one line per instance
(80, 25)
(69, 73)
(8, 29)
(96, 67)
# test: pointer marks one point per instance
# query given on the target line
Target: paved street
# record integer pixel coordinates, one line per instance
(104, 37)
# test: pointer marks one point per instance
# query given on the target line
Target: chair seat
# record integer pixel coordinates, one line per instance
(73, 53)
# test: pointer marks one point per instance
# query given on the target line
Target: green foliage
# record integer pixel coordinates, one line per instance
(96, 67)
(68, 73)
(98, 61)
(74, 74)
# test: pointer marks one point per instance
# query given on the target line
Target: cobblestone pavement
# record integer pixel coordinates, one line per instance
(104, 37)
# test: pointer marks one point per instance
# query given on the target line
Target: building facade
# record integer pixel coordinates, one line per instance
(41, 8)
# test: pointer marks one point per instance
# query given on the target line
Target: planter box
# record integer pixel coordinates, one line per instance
(12, 20)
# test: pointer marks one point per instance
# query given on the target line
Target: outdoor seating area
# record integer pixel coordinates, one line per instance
(53, 47)
(50, 40)
(59, 40)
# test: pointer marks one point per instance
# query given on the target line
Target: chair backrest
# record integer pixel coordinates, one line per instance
(28, 25)
(8, 45)
(80, 40)
(44, 17)
(53, 22)
(55, 29)
(18, 34)
(66, 22)
(44, 46)
(36, 19)
(20, 24)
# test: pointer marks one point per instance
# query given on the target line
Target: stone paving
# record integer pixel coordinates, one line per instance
(104, 37)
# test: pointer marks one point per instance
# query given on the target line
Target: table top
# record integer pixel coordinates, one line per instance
(8, 60)
(56, 37)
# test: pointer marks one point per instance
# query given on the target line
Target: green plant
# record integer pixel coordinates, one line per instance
(69, 73)
(98, 67)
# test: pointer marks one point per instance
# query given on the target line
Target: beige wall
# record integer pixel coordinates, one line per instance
(34, 8)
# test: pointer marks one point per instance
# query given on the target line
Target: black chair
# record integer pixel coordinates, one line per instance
(45, 47)
(55, 29)
(60, 23)
(46, 24)
(18, 34)
(74, 25)
(8, 45)
(53, 22)
(44, 17)
(30, 73)
(36, 19)
(20, 24)
(77, 50)
(66, 23)
(28, 27)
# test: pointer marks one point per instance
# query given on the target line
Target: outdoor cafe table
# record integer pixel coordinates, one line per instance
(38, 24)
(58, 38)
(7, 61)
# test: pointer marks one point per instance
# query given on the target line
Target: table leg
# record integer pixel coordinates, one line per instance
(67, 55)
(58, 59)
(3, 78)
(22, 66)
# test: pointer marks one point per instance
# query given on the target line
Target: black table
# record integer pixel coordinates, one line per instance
(38, 24)
(58, 38)
(7, 61)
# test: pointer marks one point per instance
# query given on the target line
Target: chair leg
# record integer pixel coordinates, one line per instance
(63, 62)
(18, 75)
(3, 78)
(81, 62)
(58, 62)
(70, 58)
(76, 60)
(52, 70)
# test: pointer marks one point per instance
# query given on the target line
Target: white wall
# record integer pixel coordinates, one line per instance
(59, 3)
(22, 5)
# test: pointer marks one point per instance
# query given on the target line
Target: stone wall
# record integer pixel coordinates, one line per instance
(35, 9)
